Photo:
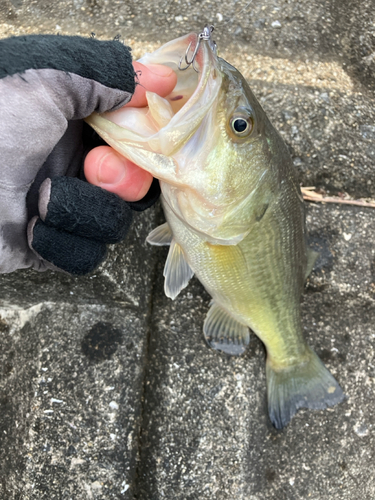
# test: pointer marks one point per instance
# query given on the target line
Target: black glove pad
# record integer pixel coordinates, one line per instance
(66, 251)
(95, 61)
(77, 207)
(79, 219)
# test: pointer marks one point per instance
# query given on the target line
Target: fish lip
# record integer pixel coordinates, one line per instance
(185, 121)
(194, 38)
(185, 118)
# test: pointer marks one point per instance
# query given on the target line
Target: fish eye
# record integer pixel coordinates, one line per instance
(241, 125)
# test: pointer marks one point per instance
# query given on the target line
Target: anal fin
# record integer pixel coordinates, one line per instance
(224, 333)
(160, 236)
(177, 271)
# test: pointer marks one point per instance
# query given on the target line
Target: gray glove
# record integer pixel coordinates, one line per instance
(48, 84)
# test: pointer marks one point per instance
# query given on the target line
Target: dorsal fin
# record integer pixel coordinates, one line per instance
(225, 333)
(177, 271)
(160, 236)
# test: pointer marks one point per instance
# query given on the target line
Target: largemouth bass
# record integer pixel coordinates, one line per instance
(235, 215)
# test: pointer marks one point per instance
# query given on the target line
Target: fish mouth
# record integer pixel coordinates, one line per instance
(165, 124)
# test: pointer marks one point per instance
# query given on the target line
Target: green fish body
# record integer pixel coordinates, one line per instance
(235, 218)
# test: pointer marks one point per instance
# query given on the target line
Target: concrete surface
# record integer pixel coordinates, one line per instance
(107, 389)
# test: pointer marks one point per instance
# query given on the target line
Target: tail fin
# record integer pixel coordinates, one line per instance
(308, 385)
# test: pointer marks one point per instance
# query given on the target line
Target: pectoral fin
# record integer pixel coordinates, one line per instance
(177, 271)
(225, 333)
(160, 236)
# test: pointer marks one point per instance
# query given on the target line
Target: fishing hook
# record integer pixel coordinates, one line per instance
(205, 35)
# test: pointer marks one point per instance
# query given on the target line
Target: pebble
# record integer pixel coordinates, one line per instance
(361, 429)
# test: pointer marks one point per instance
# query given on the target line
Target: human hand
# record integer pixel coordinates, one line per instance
(106, 168)
(48, 85)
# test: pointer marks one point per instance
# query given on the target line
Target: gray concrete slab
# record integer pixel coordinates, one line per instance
(70, 404)
(148, 411)
(298, 28)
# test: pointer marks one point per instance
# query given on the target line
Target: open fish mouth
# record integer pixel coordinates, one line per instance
(167, 123)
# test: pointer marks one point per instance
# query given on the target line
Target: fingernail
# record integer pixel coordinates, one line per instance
(111, 169)
(159, 69)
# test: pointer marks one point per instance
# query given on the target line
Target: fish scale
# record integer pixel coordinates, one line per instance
(235, 216)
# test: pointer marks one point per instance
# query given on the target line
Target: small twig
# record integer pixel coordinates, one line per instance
(309, 194)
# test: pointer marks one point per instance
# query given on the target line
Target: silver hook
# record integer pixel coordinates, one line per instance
(205, 35)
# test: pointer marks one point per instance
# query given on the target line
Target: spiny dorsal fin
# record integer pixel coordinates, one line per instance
(225, 333)
(160, 236)
(177, 271)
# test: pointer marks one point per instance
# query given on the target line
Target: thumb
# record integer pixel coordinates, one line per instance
(105, 168)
